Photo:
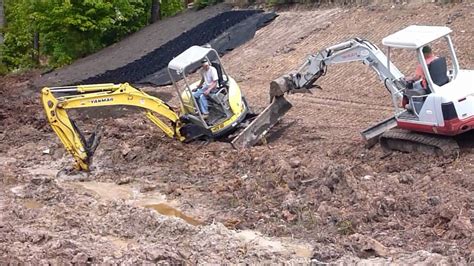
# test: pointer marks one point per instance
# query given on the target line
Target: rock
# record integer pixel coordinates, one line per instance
(124, 180)
(19, 191)
(38, 180)
(126, 149)
(434, 200)
(154, 254)
(426, 179)
(295, 163)
(148, 187)
(405, 178)
(80, 258)
(460, 227)
(184, 254)
(369, 246)
(446, 212)
(72, 175)
(288, 215)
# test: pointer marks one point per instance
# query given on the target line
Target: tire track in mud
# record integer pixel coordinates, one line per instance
(330, 101)
(3, 205)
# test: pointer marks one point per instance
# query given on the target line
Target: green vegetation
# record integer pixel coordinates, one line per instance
(171, 7)
(56, 32)
(200, 4)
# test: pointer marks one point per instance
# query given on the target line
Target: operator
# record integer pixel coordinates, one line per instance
(206, 85)
(419, 74)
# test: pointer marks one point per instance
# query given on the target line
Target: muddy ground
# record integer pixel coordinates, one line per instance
(312, 192)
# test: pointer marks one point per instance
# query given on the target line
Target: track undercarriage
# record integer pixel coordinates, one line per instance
(407, 141)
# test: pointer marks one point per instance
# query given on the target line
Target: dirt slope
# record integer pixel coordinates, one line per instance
(313, 191)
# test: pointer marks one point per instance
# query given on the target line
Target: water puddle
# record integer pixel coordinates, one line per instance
(275, 245)
(121, 243)
(167, 210)
(153, 200)
(109, 191)
(32, 204)
(43, 170)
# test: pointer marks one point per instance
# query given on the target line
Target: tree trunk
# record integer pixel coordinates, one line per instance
(36, 47)
(2, 20)
(155, 11)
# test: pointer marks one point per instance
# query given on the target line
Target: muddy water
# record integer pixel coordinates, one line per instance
(156, 201)
(152, 200)
(32, 204)
(167, 210)
(130, 193)
(276, 245)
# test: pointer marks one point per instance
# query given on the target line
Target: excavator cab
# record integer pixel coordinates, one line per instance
(227, 105)
(436, 72)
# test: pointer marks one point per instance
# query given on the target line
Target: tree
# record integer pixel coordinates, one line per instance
(155, 11)
(2, 21)
(171, 7)
(63, 30)
(3, 68)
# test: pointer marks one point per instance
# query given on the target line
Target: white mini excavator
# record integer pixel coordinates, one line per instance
(445, 108)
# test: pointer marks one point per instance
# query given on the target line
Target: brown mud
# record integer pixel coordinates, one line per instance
(312, 192)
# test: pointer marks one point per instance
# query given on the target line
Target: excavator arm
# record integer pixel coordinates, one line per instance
(353, 50)
(57, 100)
(315, 66)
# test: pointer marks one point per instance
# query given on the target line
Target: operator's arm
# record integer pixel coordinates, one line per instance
(201, 81)
(418, 74)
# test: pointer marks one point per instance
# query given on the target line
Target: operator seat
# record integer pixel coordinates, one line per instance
(439, 71)
(220, 96)
(220, 78)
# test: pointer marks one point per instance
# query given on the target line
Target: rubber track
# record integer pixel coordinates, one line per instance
(410, 141)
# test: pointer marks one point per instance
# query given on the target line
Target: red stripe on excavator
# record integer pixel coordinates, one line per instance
(451, 127)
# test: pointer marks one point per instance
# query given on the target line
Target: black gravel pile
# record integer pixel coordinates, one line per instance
(145, 69)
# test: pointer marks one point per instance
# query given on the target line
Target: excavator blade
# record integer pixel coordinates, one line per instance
(372, 134)
(262, 123)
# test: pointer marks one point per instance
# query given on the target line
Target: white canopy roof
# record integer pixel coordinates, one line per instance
(414, 37)
(192, 55)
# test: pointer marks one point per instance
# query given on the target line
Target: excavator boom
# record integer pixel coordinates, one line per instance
(57, 100)
(302, 80)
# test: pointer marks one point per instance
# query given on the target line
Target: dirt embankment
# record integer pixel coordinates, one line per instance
(313, 191)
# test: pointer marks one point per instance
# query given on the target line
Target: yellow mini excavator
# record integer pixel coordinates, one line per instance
(228, 109)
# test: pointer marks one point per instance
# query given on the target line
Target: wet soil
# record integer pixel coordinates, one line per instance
(313, 191)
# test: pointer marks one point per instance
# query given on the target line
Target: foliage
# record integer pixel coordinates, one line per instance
(170, 7)
(200, 4)
(70, 29)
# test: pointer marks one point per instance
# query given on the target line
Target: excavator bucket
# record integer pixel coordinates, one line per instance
(272, 114)
(262, 123)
